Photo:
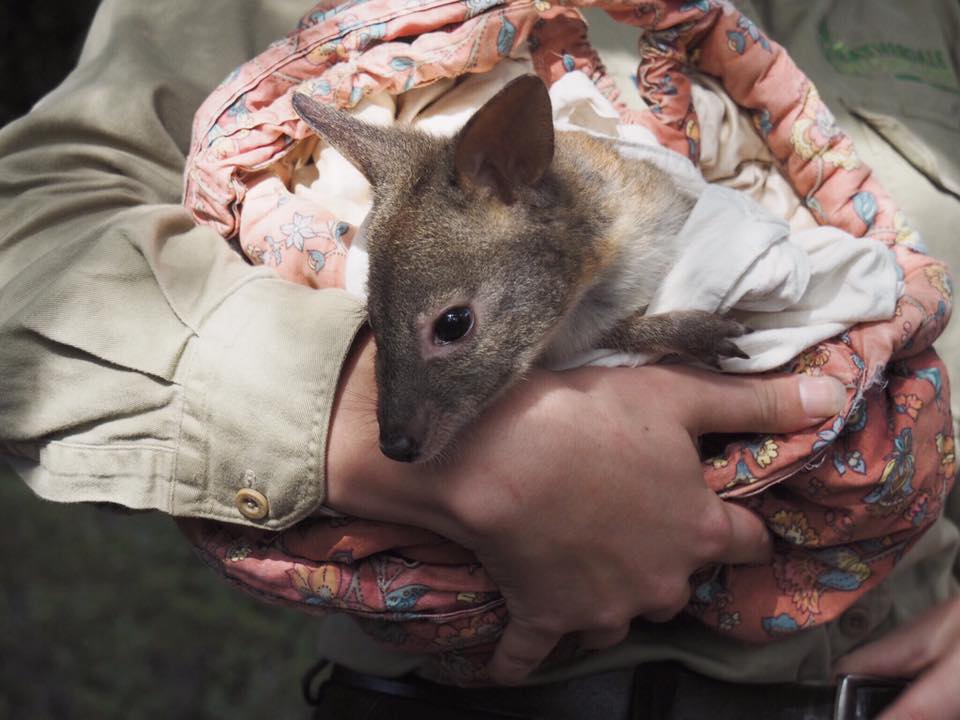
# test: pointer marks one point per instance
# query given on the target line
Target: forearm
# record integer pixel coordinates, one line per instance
(552, 425)
(142, 357)
(120, 389)
(361, 481)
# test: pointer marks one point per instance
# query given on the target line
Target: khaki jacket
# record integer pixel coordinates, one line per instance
(136, 348)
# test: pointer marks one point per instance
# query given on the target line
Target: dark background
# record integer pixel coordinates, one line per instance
(112, 616)
(39, 44)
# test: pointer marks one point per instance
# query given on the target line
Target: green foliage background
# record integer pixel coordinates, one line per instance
(106, 615)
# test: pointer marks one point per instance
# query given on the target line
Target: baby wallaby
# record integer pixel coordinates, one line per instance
(507, 245)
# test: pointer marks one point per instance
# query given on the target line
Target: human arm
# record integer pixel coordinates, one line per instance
(927, 649)
(141, 356)
(555, 494)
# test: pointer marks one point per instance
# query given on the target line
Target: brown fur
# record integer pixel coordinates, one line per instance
(552, 240)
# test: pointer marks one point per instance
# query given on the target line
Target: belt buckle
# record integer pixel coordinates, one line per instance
(861, 697)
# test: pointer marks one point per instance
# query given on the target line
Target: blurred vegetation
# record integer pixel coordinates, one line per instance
(106, 615)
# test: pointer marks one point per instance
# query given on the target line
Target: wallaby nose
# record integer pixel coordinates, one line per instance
(400, 447)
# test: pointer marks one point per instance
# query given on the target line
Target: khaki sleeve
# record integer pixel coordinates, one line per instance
(143, 362)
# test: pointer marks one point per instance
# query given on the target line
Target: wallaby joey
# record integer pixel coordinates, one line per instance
(504, 246)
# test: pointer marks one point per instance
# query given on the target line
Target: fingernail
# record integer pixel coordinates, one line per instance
(821, 397)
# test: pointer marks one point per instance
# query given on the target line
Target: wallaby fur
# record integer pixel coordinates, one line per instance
(552, 241)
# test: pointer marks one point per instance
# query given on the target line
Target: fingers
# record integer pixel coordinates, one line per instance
(749, 540)
(600, 639)
(935, 695)
(930, 645)
(781, 403)
(733, 535)
(902, 653)
(520, 650)
(909, 649)
(670, 611)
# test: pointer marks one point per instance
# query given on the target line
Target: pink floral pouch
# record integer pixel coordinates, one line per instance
(845, 500)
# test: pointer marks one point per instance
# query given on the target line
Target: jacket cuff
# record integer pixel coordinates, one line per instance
(268, 357)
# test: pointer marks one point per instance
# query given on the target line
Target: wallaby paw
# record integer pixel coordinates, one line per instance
(713, 340)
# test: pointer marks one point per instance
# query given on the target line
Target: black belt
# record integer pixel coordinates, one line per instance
(653, 691)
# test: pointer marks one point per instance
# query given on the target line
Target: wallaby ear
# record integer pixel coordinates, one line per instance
(367, 146)
(509, 141)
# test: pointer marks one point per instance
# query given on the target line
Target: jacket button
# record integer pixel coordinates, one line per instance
(855, 622)
(252, 505)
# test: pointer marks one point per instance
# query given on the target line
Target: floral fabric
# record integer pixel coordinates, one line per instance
(844, 501)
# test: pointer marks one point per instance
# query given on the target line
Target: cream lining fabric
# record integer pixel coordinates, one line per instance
(749, 247)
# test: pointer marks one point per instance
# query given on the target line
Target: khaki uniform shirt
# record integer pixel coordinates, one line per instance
(141, 357)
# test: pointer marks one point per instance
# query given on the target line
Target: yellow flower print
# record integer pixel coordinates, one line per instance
(906, 235)
(718, 462)
(255, 253)
(938, 279)
(541, 6)
(947, 453)
(816, 487)
(484, 627)
(238, 551)
(908, 404)
(794, 528)
(766, 453)
(223, 147)
(851, 563)
(810, 362)
(812, 131)
(322, 53)
(729, 621)
(807, 600)
(797, 575)
(319, 586)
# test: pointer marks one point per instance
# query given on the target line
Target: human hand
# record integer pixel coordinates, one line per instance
(581, 492)
(602, 515)
(928, 649)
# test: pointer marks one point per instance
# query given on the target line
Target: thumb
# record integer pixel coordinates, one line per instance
(910, 648)
(750, 541)
(768, 403)
(935, 694)
(520, 650)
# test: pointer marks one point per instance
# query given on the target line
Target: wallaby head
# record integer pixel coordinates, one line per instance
(476, 250)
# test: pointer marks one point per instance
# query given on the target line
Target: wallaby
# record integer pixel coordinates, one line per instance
(507, 245)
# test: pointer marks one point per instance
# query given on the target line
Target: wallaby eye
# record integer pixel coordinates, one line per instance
(452, 325)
